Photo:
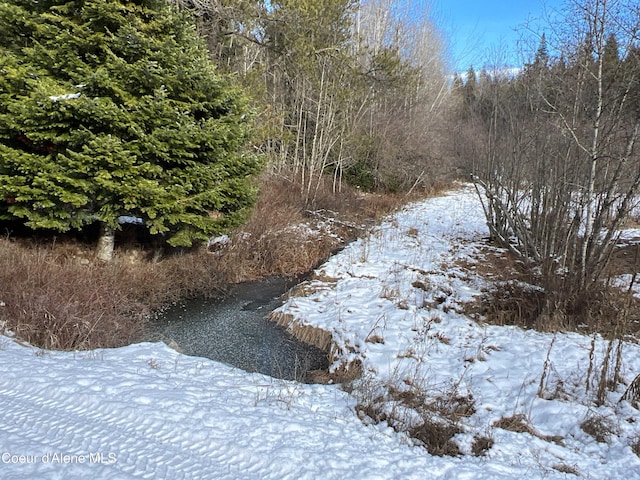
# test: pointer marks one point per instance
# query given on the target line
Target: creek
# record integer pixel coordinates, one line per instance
(236, 331)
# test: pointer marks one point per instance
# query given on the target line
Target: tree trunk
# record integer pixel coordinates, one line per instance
(106, 243)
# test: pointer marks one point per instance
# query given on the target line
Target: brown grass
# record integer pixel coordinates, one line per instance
(56, 296)
(274, 240)
(564, 468)
(481, 445)
(519, 424)
(439, 417)
(436, 436)
(606, 310)
(515, 298)
(598, 427)
(305, 333)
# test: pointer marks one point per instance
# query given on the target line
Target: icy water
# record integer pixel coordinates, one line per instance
(236, 331)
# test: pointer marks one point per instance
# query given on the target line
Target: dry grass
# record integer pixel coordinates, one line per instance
(56, 296)
(516, 298)
(564, 468)
(276, 240)
(432, 422)
(598, 427)
(519, 297)
(436, 436)
(481, 445)
(519, 424)
(305, 333)
(606, 310)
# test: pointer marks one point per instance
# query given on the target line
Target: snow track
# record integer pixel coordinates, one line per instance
(108, 435)
(146, 411)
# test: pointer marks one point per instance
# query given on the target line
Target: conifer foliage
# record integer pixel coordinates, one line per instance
(111, 108)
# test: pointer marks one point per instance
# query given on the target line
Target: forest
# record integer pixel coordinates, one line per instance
(195, 119)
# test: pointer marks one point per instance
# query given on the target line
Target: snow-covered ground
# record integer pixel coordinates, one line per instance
(393, 302)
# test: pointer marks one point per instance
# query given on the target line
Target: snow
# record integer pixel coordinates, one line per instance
(130, 219)
(394, 302)
(66, 96)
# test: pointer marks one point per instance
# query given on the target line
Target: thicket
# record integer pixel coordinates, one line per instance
(554, 149)
(554, 154)
(353, 89)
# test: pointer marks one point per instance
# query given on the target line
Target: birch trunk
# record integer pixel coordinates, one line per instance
(106, 243)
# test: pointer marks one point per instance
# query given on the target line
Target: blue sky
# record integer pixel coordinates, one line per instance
(482, 30)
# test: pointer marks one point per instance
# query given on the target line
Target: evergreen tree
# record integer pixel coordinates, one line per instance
(611, 63)
(541, 58)
(469, 91)
(631, 67)
(111, 108)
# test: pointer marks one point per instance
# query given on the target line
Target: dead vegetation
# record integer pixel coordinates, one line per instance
(635, 447)
(481, 445)
(286, 236)
(564, 468)
(305, 333)
(600, 428)
(519, 424)
(55, 297)
(632, 393)
(430, 421)
(54, 294)
(518, 296)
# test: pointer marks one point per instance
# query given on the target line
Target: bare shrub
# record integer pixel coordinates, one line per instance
(556, 163)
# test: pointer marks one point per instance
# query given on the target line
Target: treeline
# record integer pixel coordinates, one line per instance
(554, 149)
(355, 89)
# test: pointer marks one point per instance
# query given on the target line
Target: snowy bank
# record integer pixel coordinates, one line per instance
(393, 302)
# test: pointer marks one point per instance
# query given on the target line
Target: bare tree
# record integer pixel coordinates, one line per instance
(342, 86)
(560, 171)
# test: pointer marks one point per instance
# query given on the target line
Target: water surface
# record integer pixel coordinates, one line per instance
(235, 331)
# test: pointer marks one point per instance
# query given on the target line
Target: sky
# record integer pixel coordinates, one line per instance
(481, 31)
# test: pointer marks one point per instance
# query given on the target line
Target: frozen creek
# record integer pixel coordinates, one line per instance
(235, 331)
